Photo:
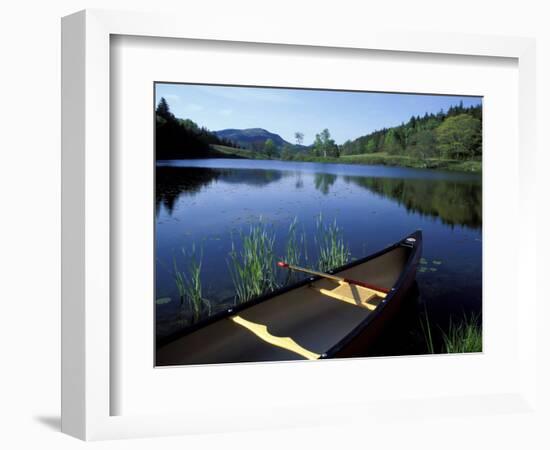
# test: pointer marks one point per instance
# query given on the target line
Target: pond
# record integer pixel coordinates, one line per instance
(203, 206)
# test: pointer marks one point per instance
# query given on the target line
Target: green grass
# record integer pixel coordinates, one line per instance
(381, 158)
(253, 268)
(294, 245)
(333, 252)
(295, 250)
(466, 166)
(464, 336)
(397, 160)
(407, 161)
(189, 285)
(426, 330)
(222, 151)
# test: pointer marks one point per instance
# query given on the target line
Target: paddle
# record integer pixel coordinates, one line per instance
(332, 277)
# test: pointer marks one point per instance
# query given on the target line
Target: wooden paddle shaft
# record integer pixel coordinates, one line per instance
(332, 277)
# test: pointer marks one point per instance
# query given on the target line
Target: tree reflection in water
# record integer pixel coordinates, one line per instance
(455, 202)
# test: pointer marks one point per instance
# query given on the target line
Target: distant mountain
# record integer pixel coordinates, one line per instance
(252, 138)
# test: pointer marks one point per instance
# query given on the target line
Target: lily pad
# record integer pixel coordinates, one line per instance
(163, 300)
(437, 262)
(423, 261)
(422, 269)
(433, 269)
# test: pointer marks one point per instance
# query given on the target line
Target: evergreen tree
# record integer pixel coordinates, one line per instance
(163, 110)
(392, 143)
(181, 138)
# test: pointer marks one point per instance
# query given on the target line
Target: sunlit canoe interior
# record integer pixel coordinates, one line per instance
(303, 323)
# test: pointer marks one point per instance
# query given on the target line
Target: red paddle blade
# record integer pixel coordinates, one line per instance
(282, 264)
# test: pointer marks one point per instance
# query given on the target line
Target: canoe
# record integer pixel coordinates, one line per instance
(316, 318)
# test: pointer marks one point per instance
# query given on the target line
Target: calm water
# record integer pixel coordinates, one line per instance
(209, 202)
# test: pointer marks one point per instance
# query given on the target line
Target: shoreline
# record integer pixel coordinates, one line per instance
(401, 161)
(373, 159)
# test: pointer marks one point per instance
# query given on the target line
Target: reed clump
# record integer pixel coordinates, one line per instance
(464, 336)
(253, 267)
(295, 252)
(333, 252)
(189, 285)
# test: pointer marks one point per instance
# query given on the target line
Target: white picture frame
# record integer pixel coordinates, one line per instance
(87, 325)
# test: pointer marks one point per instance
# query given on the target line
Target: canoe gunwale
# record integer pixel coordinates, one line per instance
(159, 343)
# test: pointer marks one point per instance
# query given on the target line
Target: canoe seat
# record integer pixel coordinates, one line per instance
(354, 294)
(261, 331)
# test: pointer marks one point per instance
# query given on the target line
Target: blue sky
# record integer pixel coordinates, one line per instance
(284, 111)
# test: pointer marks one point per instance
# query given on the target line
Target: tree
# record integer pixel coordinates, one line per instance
(459, 137)
(370, 146)
(404, 139)
(299, 136)
(347, 148)
(163, 110)
(324, 145)
(181, 138)
(269, 148)
(426, 144)
(392, 143)
(286, 152)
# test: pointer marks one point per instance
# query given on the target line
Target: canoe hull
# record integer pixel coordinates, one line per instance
(370, 334)
(366, 334)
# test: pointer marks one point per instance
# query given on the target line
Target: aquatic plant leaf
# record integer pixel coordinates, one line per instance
(163, 300)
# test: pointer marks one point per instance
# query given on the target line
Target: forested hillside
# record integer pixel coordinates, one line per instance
(251, 138)
(183, 138)
(455, 134)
